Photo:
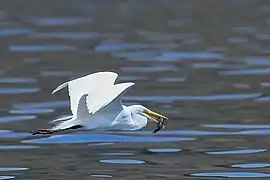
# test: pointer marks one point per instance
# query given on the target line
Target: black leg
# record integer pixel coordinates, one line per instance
(75, 127)
(43, 131)
(48, 131)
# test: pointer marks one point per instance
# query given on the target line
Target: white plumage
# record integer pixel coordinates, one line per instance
(95, 103)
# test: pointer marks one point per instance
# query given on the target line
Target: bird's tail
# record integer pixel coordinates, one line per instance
(62, 126)
(66, 124)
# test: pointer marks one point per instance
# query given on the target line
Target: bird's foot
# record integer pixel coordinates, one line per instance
(42, 131)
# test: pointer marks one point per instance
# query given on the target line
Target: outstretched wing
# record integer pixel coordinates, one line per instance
(98, 108)
(98, 99)
(86, 84)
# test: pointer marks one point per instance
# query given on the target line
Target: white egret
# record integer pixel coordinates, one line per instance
(95, 103)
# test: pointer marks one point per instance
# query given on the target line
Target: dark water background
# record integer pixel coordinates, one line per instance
(205, 64)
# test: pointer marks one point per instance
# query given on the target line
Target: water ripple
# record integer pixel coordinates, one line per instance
(113, 47)
(242, 151)
(61, 21)
(171, 79)
(164, 150)
(41, 48)
(6, 177)
(17, 147)
(253, 132)
(57, 73)
(3, 169)
(118, 47)
(18, 90)
(238, 40)
(132, 78)
(150, 69)
(256, 61)
(246, 72)
(176, 56)
(265, 84)
(4, 119)
(251, 166)
(137, 56)
(242, 86)
(122, 161)
(232, 174)
(31, 111)
(238, 126)
(101, 176)
(9, 134)
(157, 36)
(15, 32)
(207, 65)
(17, 80)
(49, 104)
(192, 98)
(117, 154)
(67, 35)
(263, 99)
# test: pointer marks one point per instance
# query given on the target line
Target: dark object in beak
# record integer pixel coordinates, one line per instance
(160, 125)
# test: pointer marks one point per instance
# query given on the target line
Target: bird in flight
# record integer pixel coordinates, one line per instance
(96, 104)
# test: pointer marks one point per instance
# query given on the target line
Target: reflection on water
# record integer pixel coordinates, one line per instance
(9, 134)
(102, 138)
(205, 68)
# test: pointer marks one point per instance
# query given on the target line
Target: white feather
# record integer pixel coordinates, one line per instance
(86, 84)
(63, 118)
(96, 100)
(104, 107)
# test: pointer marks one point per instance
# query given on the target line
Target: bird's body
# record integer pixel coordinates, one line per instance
(95, 103)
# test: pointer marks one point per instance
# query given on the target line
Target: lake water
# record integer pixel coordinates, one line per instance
(204, 64)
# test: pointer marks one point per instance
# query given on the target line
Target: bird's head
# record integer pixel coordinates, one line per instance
(149, 114)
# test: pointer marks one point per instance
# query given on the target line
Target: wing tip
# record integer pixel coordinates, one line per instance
(59, 87)
(63, 118)
(129, 83)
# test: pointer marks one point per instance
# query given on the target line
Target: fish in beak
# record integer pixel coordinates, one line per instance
(157, 118)
(154, 116)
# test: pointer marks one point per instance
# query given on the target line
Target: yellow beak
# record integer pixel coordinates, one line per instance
(154, 116)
